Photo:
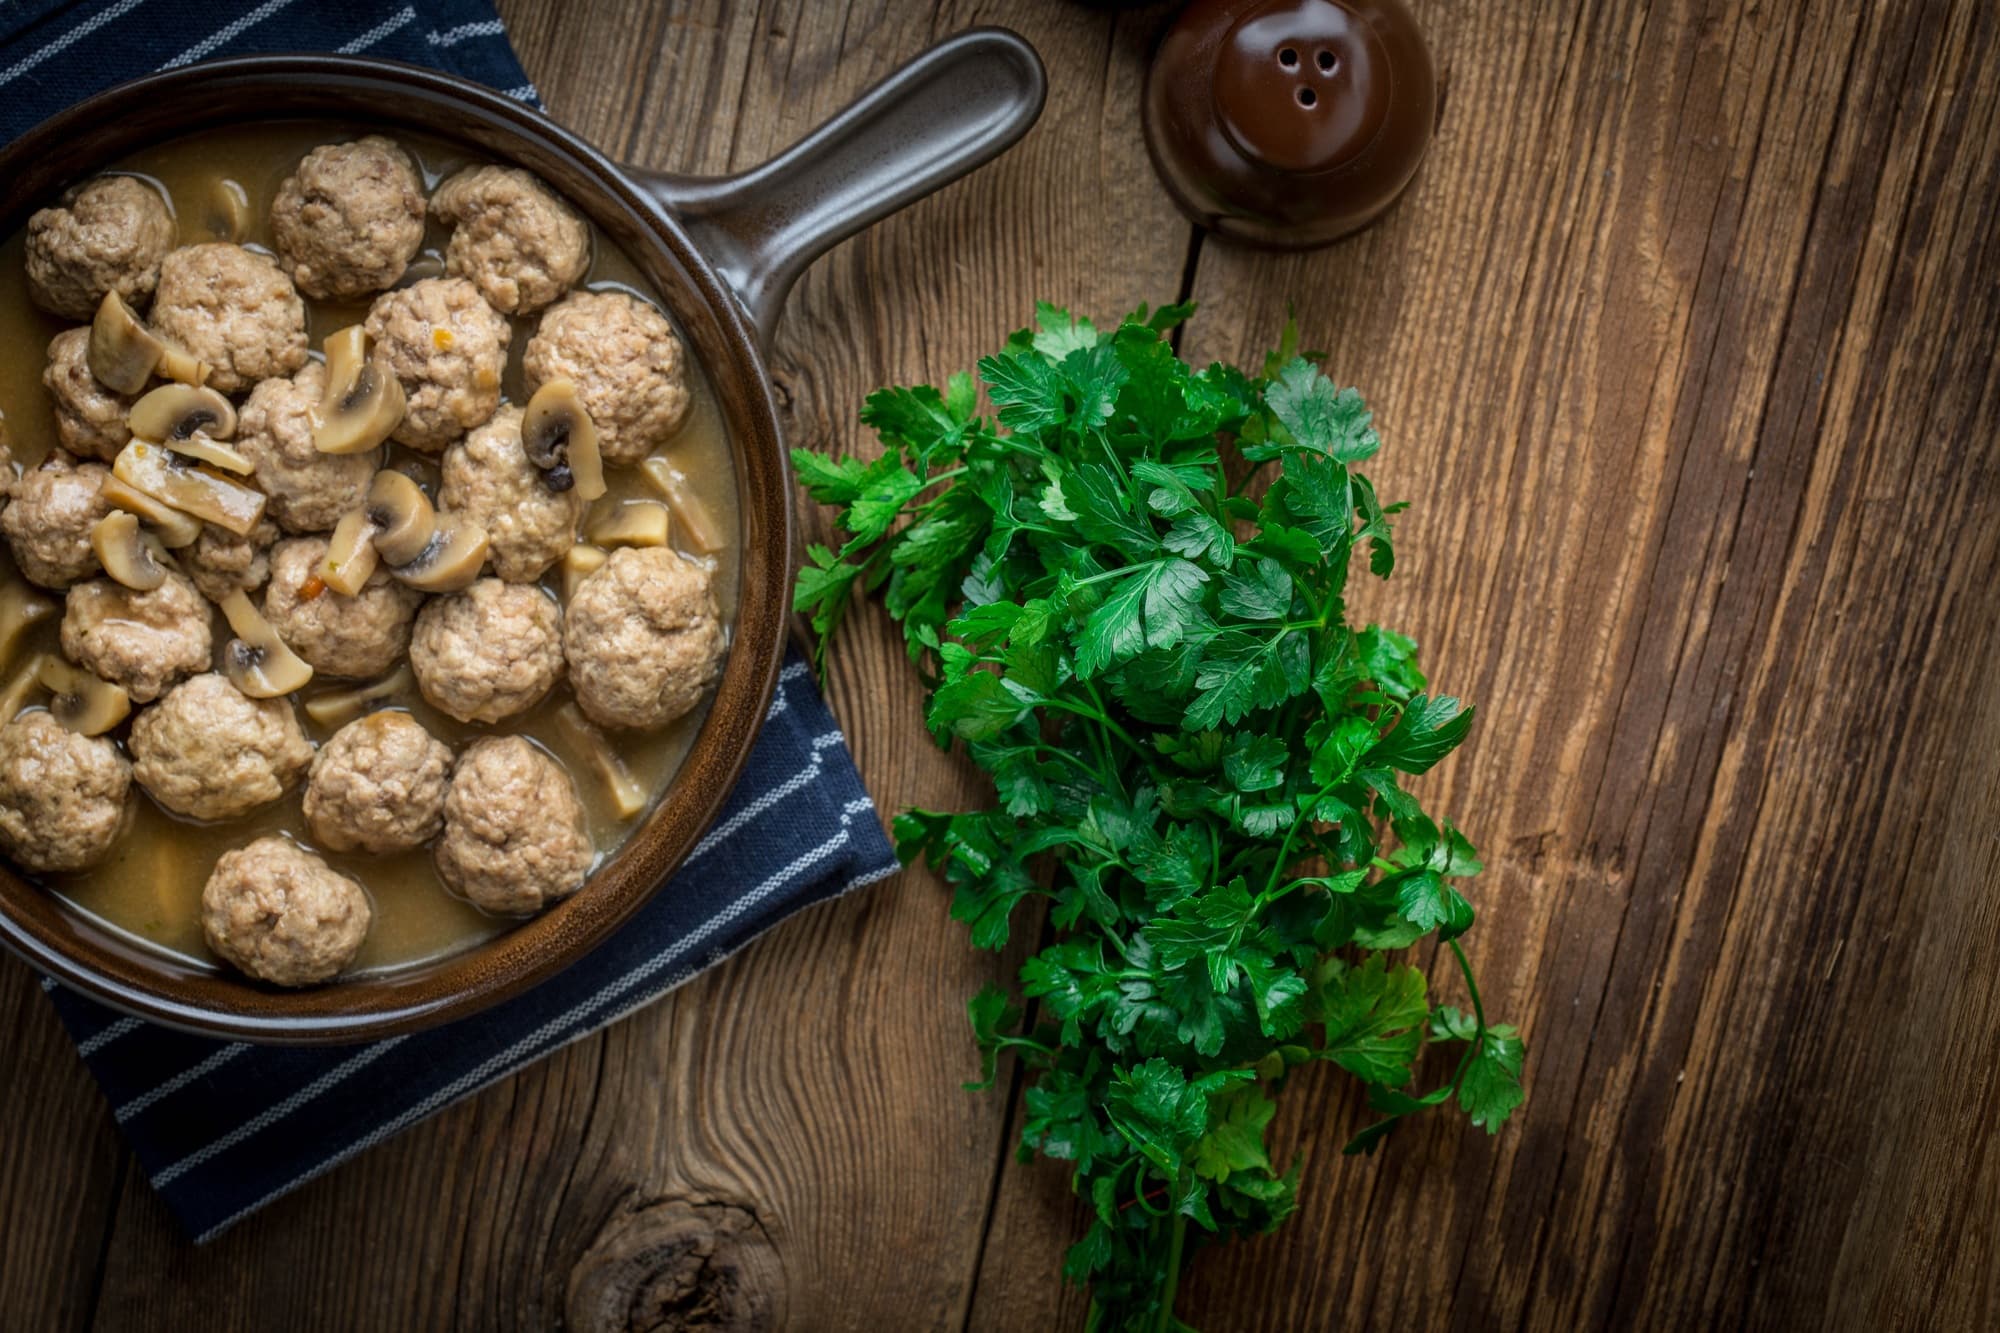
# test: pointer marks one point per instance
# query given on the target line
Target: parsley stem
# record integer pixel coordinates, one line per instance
(1172, 1283)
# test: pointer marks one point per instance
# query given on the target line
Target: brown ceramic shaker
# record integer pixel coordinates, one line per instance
(1289, 123)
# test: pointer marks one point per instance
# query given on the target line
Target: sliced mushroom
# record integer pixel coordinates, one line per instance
(188, 487)
(698, 526)
(579, 563)
(257, 661)
(175, 412)
(350, 554)
(20, 608)
(363, 401)
(21, 687)
(402, 516)
(560, 440)
(228, 215)
(174, 528)
(340, 708)
(134, 558)
(634, 523)
(80, 701)
(451, 561)
(123, 353)
(628, 794)
(213, 452)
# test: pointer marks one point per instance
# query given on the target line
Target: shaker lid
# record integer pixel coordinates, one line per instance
(1301, 86)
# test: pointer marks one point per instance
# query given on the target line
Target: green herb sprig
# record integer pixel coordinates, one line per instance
(1198, 761)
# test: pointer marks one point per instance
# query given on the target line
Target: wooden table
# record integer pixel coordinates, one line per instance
(1683, 346)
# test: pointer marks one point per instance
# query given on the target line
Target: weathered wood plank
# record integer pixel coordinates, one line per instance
(60, 1165)
(1683, 349)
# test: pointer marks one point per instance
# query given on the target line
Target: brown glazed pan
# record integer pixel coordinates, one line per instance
(722, 253)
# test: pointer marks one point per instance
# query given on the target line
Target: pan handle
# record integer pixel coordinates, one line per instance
(953, 108)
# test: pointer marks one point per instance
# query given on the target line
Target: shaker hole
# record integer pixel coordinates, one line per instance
(1307, 97)
(1327, 61)
(1288, 57)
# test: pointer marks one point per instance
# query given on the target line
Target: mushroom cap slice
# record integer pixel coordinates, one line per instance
(176, 412)
(188, 487)
(634, 523)
(228, 214)
(80, 701)
(578, 564)
(451, 561)
(402, 516)
(257, 661)
(350, 554)
(20, 687)
(560, 439)
(343, 706)
(628, 794)
(698, 526)
(122, 352)
(363, 401)
(174, 528)
(134, 558)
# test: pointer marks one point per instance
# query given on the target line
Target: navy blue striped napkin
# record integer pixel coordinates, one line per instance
(222, 1128)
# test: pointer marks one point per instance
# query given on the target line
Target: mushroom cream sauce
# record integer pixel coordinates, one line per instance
(149, 887)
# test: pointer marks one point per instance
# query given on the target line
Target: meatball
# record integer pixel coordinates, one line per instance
(90, 419)
(362, 635)
(378, 785)
(489, 478)
(489, 652)
(349, 218)
(447, 348)
(514, 835)
(109, 238)
(220, 562)
(49, 518)
(643, 638)
(511, 235)
(625, 361)
(234, 309)
(307, 490)
(144, 641)
(62, 796)
(210, 751)
(282, 915)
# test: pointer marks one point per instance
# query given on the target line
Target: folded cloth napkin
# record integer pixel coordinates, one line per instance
(222, 1128)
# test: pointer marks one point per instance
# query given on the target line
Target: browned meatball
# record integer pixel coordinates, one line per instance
(307, 490)
(109, 238)
(62, 796)
(349, 218)
(283, 915)
(643, 638)
(220, 562)
(378, 785)
(362, 635)
(514, 835)
(144, 641)
(210, 751)
(489, 652)
(489, 478)
(511, 235)
(234, 309)
(625, 361)
(447, 348)
(90, 419)
(49, 518)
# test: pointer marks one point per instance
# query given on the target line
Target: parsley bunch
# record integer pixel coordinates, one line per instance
(1199, 763)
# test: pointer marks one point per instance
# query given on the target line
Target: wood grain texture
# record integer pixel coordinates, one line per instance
(1683, 347)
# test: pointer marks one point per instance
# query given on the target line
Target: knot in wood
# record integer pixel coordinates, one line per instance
(677, 1264)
